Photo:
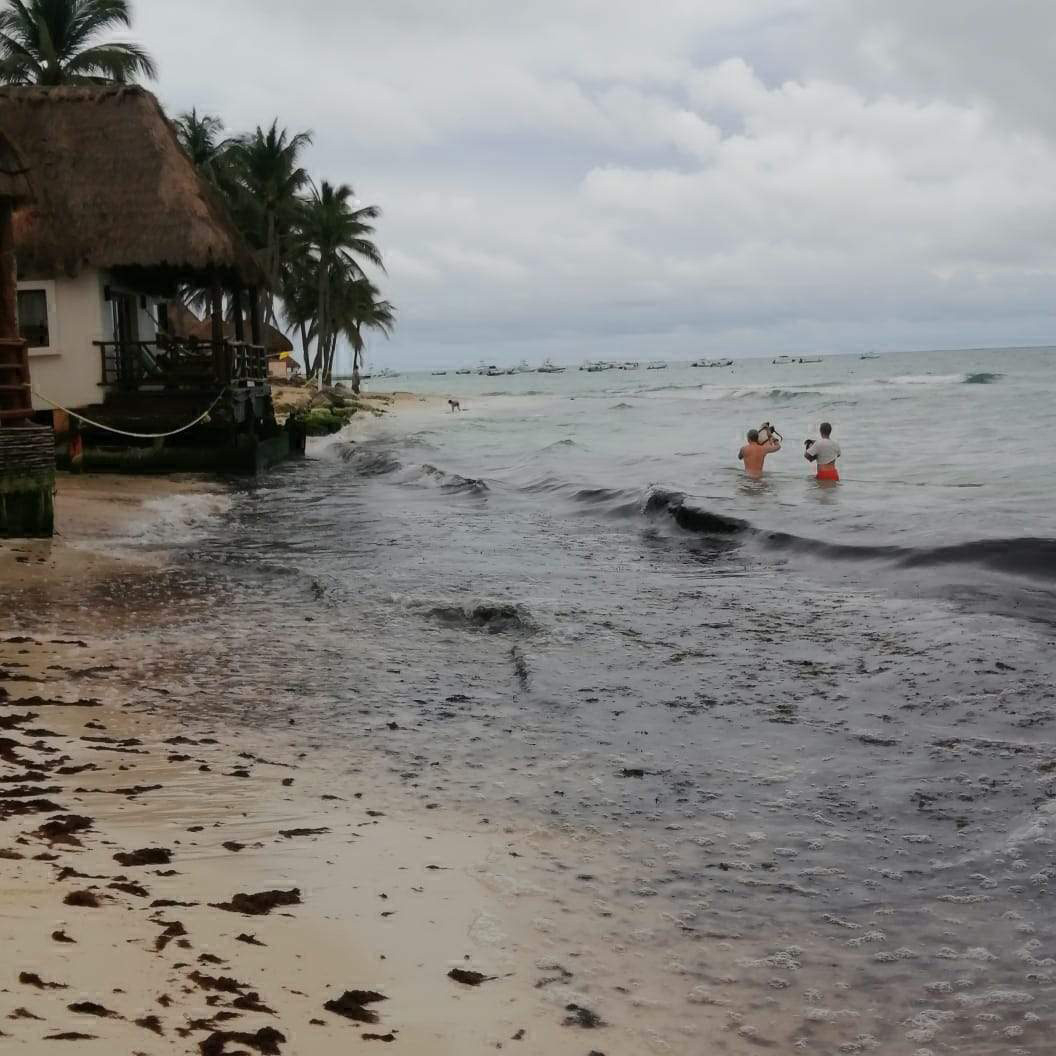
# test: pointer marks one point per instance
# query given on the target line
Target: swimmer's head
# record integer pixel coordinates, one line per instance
(753, 436)
(825, 429)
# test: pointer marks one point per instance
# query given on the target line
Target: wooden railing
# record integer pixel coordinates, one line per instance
(166, 365)
(16, 396)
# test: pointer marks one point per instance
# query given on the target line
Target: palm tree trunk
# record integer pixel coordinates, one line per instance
(322, 338)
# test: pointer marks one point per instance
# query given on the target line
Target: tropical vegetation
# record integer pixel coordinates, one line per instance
(314, 240)
(56, 42)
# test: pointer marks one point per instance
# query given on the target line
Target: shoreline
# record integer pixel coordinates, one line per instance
(96, 763)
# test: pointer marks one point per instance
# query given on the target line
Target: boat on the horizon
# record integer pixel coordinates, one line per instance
(465, 370)
(550, 368)
(869, 355)
(631, 364)
(784, 360)
(439, 373)
(712, 363)
(656, 366)
(596, 366)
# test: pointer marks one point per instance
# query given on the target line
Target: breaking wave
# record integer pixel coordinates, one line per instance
(1030, 556)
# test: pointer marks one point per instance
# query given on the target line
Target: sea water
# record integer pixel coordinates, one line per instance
(787, 752)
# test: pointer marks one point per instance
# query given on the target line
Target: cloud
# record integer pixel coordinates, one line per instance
(578, 177)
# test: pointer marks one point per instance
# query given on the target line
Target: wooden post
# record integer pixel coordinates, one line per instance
(216, 308)
(236, 306)
(255, 326)
(8, 275)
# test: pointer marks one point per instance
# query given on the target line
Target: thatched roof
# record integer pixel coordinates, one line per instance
(114, 189)
(14, 184)
(275, 341)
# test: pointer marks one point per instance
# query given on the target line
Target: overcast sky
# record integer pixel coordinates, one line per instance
(663, 178)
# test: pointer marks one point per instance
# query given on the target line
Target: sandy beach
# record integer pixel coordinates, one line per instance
(170, 887)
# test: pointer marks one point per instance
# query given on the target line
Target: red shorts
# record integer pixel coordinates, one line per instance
(828, 472)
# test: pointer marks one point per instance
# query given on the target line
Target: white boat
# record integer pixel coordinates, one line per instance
(549, 368)
(465, 370)
(656, 366)
(783, 361)
(631, 364)
(712, 363)
(869, 355)
(809, 359)
(439, 373)
(491, 371)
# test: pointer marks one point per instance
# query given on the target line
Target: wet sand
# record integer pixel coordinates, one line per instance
(138, 851)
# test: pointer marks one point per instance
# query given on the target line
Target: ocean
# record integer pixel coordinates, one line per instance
(779, 759)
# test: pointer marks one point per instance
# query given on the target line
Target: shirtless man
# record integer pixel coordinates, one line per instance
(754, 453)
(825, 452)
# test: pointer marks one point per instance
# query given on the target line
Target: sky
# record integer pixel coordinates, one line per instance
(575, 179)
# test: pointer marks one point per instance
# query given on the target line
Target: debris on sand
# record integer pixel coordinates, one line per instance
(130, 888)
(150, 1023)
(266, 1041)
(582, 1017)
(261, 903)
(379, 1037)
(63, 828)
(351, 1004)
(70, 1035)
(173, 930)
(250, 940)
(470, 978)
(251, 1002)
(84, 899)
(61, 936)
(144, 856)
(222, 983)
(290, 833)
(32, 979)
(91, 1008)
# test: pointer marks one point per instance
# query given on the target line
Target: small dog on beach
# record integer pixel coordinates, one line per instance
(454, 405)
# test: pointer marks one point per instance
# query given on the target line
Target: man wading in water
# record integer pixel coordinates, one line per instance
(825, 452)
(754, 453)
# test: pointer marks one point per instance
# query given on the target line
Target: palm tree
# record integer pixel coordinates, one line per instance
(203, 141)
(360, 308)
(53, 42)
(265, 196)
(332, 232)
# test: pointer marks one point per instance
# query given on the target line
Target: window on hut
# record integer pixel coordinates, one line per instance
(33, 318)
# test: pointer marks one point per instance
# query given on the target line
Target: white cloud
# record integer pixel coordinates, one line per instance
(585, 175)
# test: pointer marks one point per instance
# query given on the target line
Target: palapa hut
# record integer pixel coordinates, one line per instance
(121, 221)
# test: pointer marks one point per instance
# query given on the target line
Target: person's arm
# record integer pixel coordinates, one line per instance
(808, 455)
(740, 454)
(774, 445)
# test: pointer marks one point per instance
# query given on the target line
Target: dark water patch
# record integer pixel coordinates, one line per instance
(1029, 557)
(369, 461)
(493, 617)
(982, 378)
(449, 482)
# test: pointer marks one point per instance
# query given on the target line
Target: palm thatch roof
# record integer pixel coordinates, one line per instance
(275, 341)
(14, 185)
(114, 190)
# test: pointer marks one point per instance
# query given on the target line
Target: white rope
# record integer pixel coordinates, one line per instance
(122, 432)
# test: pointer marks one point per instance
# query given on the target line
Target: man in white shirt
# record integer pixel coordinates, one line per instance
(825, 452)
